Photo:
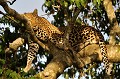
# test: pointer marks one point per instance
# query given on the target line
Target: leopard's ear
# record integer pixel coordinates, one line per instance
(35, 12)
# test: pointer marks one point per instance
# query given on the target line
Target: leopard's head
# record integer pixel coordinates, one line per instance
(31, 17)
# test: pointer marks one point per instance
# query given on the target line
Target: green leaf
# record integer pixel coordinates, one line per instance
(0, 48)
(65, 4)
(83, 2)
(77, 2)
(1, 71)
(72, 1)
(2, 61)
(47, 3)
(94, 2)
(98, 2)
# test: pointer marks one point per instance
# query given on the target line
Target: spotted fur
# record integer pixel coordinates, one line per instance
(78, 38)
(86, 35)
(44, 31)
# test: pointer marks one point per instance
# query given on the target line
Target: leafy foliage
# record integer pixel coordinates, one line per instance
(12, 64)
(91, 12)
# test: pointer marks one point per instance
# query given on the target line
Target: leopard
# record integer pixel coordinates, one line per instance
(79, 37)
(82, 36)
(44, 31)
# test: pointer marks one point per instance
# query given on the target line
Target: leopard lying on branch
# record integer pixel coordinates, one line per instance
(79, 37)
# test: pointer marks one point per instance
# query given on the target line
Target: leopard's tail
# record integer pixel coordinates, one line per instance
(103, 51)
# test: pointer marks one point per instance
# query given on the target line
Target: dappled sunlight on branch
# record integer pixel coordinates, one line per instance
(68, 42)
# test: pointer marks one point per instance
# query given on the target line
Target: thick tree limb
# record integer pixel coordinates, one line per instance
(91, 53)
(115, 29)
(56, 66)
(62, 58)
(112, 50)
(15, 44)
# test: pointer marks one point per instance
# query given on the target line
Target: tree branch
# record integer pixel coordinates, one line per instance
(61, 61)
(114, 28)
(75, 14)
(62, 58)
(112, 50)
(23, 20)
(15, 44)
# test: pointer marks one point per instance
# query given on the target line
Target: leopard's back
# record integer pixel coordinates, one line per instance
(41, 26)
(86, 35)
(78, 38)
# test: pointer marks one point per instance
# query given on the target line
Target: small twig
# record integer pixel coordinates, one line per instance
(75, 14)
(10, 2)
(58, 7)
(2, 13)
(90, 67)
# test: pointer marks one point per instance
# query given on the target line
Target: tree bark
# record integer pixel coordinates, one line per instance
(112, 51)
(114, 27)
(15, 44)
(63, 58)
(21, 18)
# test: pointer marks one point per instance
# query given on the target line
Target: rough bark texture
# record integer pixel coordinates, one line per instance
(15, 44)
(112, 50)
(63, 58)
(16, 15)
(114, 28)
